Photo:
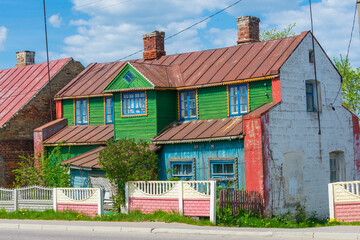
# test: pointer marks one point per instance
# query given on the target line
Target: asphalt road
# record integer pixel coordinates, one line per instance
(19, 234)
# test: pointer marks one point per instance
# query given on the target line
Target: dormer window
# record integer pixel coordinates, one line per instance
(129, 77)
(312, 98)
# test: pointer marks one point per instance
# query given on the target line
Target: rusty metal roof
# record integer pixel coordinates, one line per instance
(82, 135)
(201, 130)
(214, 66)
(20, 84)
(90, 158)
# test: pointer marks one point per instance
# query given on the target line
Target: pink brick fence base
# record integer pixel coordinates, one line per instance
(90, 210)
(349, 212)
(149, 205)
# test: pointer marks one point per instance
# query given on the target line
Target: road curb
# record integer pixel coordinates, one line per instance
(183, 231)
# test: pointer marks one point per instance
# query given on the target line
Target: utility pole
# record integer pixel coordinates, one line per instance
(358, 6)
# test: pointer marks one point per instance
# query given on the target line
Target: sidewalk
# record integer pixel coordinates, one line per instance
(336, 232)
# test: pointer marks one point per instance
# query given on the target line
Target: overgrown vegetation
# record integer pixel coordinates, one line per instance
(42, 170)
(127, 160)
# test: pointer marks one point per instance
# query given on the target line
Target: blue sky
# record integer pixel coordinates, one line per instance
(108, 30)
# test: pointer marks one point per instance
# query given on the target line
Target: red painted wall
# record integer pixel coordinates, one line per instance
(59, 110)
(254, 171)
(356, 132)
(276, 90)
(87, 209)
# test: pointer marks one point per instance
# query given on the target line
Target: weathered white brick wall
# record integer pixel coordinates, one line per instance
(300, 168)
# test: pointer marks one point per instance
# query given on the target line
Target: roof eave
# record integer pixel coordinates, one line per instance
(229, 138)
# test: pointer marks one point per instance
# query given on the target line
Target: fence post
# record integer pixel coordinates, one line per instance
(54, 199)
(213, 202)
(127, 197)
(331, 200)
(100, 202)
(181, 202)
(16, 202)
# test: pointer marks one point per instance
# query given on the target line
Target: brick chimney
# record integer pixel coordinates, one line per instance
(24, 58)
(154, 45)
(248, 29)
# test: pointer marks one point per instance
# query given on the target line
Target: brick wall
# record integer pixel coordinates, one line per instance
(197, 207)
(148, 205)
(16, 135)
(88, 209)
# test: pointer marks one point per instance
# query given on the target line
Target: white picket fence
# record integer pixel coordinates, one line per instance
(41, 198)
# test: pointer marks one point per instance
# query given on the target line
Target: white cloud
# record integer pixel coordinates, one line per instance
(3, 35)
(55, 20)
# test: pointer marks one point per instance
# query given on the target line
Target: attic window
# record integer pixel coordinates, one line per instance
(129, 77)
(311, 56)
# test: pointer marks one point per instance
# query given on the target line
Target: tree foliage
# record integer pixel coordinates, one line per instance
(46, 171)
(276, 34)
(350, 88)
(128, 160)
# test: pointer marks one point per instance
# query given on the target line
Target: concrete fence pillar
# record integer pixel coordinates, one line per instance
(331, 200)
(127, 198)
(16, 200)
(213, 202)
(54, 200)
(181, 202)
(100, 202)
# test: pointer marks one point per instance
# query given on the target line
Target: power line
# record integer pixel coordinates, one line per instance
(347, 55)
(185, 29)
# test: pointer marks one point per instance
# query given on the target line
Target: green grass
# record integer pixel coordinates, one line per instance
(136, 216)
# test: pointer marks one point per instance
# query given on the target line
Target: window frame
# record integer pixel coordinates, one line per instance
(111, 107)
(188, 108)
(238, 100)
(123, 104)
(223, 180)
(131, 75)
(340, 166)
(82, 101)
(182, 162)
(312, 96)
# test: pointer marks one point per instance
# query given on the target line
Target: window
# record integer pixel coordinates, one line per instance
(81, 112)
(134, 103)
(337, 167)
(312, 97)
(188, 105)
(129, 77)
(109, 118)
(224, 171)
(182, 169)
(238, 100)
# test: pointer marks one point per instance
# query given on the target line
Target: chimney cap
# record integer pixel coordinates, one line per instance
(154, 33)
(248, 18)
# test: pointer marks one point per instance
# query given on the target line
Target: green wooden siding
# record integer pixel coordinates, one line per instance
(120, 83)
(68, 110)
(260, 93)
(144, 127)
(96, 111)
(212, 102)
(72, 151)
(166, 108)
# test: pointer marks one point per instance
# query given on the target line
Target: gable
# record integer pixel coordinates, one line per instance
(119, 82)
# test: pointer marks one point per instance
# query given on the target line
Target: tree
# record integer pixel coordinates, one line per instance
(127, 160)
(46, 171)
(276, 34)
(350, 88)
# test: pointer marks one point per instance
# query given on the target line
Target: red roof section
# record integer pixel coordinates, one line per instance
(20, 84)
(193, 69)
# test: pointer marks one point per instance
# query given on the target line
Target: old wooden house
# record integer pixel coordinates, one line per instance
(251, 116)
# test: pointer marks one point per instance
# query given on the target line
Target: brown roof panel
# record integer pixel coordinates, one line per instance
(82, 135)
(170, 59)
(194, 78)
(200, 130)
(200, 62)
(88, 159)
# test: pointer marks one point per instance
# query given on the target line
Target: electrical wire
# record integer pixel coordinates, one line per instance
(347, 55)
(183, 30)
